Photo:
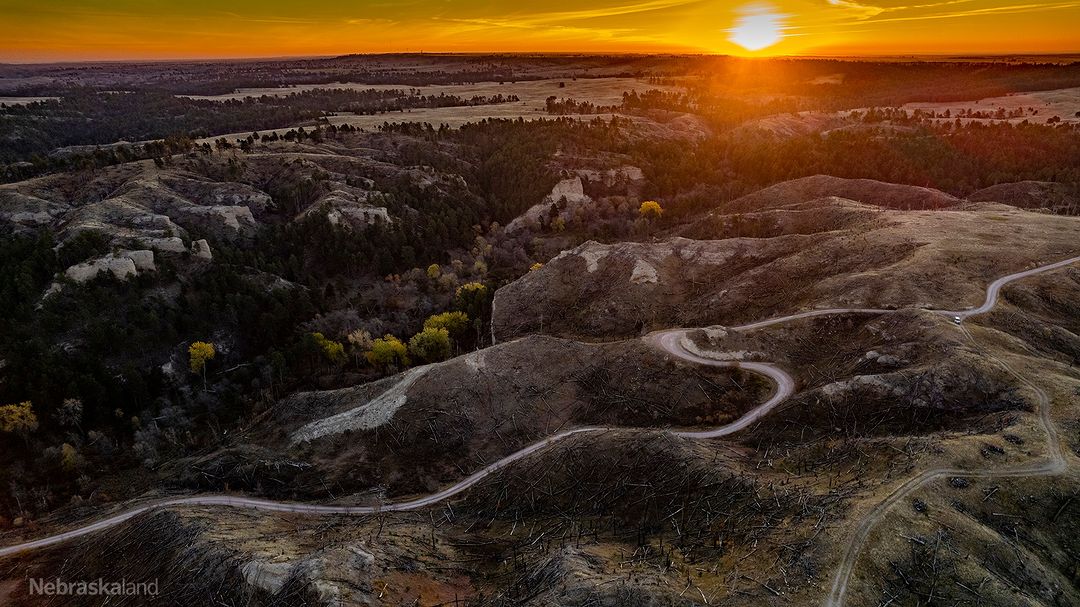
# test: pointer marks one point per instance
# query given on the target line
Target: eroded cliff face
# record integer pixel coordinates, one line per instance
(567, 195)
(618, 289)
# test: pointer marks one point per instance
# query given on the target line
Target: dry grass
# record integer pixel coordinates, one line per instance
(532, 94)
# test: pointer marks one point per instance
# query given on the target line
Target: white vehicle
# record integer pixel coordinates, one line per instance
(956, 319)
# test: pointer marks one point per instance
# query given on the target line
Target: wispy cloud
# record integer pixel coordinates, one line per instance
(888, 14)
(457, 27)
(868, 11)
(992, 10)
(566, 19)
(544, 18)
(281, 20)
(861, 11)
(570, 24)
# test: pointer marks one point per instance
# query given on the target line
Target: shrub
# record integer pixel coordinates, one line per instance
(18, 419)
(69, 458)
(334, 351)
(472, 298)
(388, 351)
(650, 209)
(454, 322)
(430, 345)
(199, 353)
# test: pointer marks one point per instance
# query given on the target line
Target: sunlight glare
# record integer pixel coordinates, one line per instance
(757, 28)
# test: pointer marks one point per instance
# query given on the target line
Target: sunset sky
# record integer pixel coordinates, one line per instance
(157, 29)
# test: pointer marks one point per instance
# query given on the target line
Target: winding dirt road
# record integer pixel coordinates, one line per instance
(671, 342)
(667, 340)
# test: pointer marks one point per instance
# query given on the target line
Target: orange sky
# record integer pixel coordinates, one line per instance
(129, 29)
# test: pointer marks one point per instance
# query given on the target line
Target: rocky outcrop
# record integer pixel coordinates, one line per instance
(611, 177)
(122, 265)
(166, 245)
(143, 260)
(620, 289)
(223, 220)
(333, 575)
(348, 205)
(214, 193)
(568, 194)
(122, 223)
(138, 208)
(225, 210)
(25, 211)
(359, 214)
(201, 250)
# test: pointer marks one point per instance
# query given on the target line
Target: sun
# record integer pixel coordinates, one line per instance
(758, 27)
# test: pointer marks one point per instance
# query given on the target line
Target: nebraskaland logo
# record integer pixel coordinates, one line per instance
(98, 587)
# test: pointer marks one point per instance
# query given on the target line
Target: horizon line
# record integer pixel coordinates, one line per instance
(256, 58)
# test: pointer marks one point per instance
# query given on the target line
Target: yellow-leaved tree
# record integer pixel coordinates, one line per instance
(334, 351)
(199, 353)
(430, 345)
(388, 352)
(474, 298)
(650, 209)
(18, 419)
(455, 322)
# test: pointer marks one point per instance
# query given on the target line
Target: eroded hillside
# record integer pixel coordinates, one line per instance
(824, 253)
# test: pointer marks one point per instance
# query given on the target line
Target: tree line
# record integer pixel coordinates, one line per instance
(87, 117)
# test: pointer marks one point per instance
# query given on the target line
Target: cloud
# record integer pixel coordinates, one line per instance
(862, 11)
(991, 10)
(281, 20)
(544, 18)
(889, 14)
(572, 24)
